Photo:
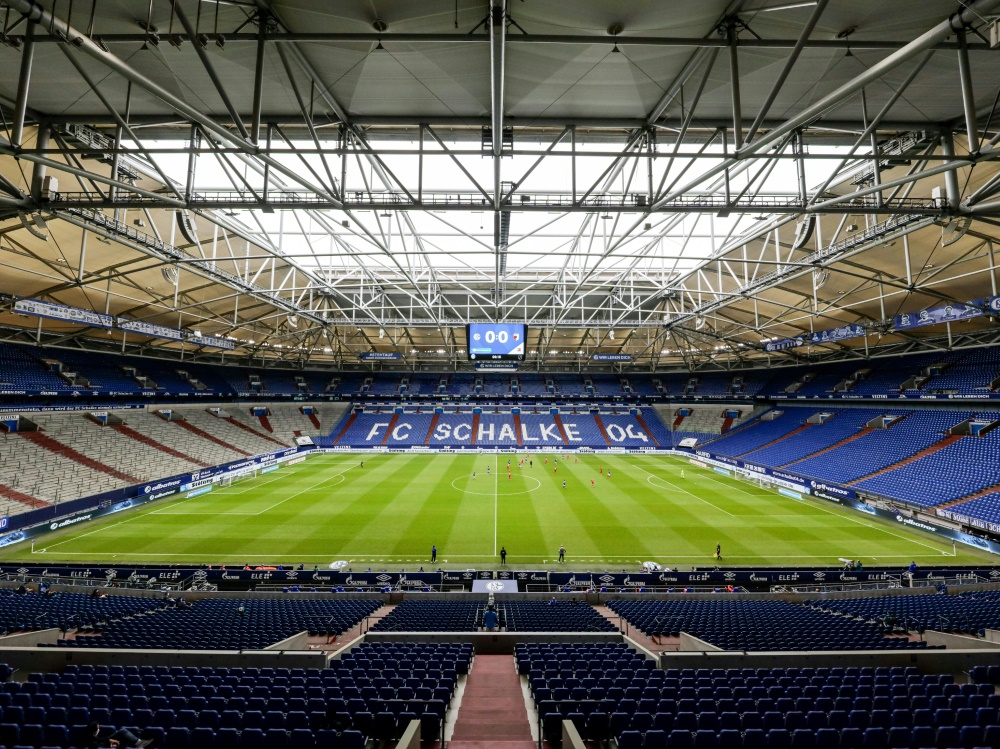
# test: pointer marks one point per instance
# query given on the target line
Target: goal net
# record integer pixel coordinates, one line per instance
(232, 478)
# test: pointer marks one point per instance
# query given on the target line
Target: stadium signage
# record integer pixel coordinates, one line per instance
(837, 334)
(612, 357)
(38, 308)
(145, 328)
(784, 343)
(213, 341)
(159, 486)
(832, 489)
(69, 521)
(380, 356)
(936, 315)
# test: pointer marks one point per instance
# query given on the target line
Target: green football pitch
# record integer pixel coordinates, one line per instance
(389, 513)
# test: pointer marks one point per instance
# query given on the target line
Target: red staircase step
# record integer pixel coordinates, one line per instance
(184, 424)
(557, 418)
(726, 423)
(951, 439)
(430, 430)
(492, 713)
(265, 422)
(139, 437)
(969, 497)
(350, 420)
(392, 425)
(517, 430)
(600, 428)
(677, 422)
(863, 431)
(315, 420)
(642, 423)
(54, 445)
(9, 493)
(792, 433)
(475, 429)
(253, 431)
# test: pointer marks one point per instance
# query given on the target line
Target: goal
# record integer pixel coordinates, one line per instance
(230, 479)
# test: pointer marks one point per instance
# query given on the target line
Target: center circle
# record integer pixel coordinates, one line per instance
(538, 485)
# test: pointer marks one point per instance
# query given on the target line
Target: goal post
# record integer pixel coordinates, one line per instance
(230, 478)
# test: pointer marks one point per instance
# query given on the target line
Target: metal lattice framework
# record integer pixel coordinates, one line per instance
(315, 180)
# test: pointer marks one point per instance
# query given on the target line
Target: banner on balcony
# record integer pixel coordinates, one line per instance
(38, 308)
(147, 328)
(837, 334)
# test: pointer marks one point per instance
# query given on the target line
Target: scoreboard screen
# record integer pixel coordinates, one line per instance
(496, 341)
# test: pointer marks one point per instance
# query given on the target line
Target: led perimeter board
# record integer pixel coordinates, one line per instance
(496, 341)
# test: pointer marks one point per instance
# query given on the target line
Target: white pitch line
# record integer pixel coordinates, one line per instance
(496, 498)
(278, 555)
(308, 488)
(682, 490)
(98, 530)
(874, 527)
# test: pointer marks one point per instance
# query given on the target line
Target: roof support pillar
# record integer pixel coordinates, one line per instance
(968, 97)
(498, 34)
(40, 167)
(23, 83)
(734, 82)
(952, 193)
(814, 111)
(258, 76)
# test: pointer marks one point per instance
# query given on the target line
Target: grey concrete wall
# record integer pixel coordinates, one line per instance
(633, 644)
(690, 643)
(492, 642)
(927, 661)
(29, 639)
(56, 659)
(298, 641)
(993, 635)
(571, 738)
(958, 642)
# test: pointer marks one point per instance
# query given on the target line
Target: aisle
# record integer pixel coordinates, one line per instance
(492, 713)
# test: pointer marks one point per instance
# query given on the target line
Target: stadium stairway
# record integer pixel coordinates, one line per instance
(642, 423)
(138, 437)
(266, 423)
(492, 713)
(562, 429)
(53, 445)
(782, 438)
(251, 430)
(517, 430)
(184, 424)
(347, 425)
(475, 427)
(13, 494)
(601, 429)
(315, 420)
(861, 433)
(968, 498)
(430, 430)
(951, 439)
(634, 634)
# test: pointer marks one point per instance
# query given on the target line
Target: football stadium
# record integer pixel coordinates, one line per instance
(499, 373)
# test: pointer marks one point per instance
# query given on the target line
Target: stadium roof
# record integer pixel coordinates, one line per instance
(681, 182)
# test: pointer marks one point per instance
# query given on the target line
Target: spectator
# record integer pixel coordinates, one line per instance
(912, 568)
(490, 620)
(93, 737)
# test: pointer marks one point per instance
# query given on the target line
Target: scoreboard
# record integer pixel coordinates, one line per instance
(496, 341)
